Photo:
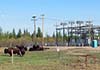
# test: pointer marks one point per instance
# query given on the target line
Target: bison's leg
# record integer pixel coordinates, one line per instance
(19, 53)
(10, 53)
(23, 52)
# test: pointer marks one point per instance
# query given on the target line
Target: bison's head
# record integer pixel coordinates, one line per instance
(5, 51)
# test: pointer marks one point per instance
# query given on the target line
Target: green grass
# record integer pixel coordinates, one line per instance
(49, 60)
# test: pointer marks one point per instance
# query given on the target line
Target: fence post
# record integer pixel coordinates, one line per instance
(58, 51)
(12, 57)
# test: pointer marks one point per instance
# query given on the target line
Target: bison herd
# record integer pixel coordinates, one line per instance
(20, 49)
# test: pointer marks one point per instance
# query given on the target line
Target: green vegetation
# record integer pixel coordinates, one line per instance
(22, 37)
(51, 60)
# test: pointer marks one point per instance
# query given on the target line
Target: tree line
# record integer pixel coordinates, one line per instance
(23, 37)
(13, 34)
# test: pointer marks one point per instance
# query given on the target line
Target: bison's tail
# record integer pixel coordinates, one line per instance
(5, 51)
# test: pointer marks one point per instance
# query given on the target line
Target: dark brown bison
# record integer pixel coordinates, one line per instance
(36, 48)
(18, 50)
(15, 51)
(22, 49)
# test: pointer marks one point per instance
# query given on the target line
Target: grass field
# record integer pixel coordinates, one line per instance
(50, 59)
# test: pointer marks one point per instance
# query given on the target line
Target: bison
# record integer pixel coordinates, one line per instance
(15, 51)
(18, 51)
(22, 49)
(36, 48)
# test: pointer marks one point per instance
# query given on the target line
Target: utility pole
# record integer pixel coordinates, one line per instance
(42, 29)
(34, 33)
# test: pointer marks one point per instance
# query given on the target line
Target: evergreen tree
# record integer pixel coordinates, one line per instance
(59, 35)
(53, 35)
(6, 35)
(10, 35)
(39, 33)
(65, 37)
(19, 33)
(0, 30)
(99, 34)
(14, 33)
(26, 33)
